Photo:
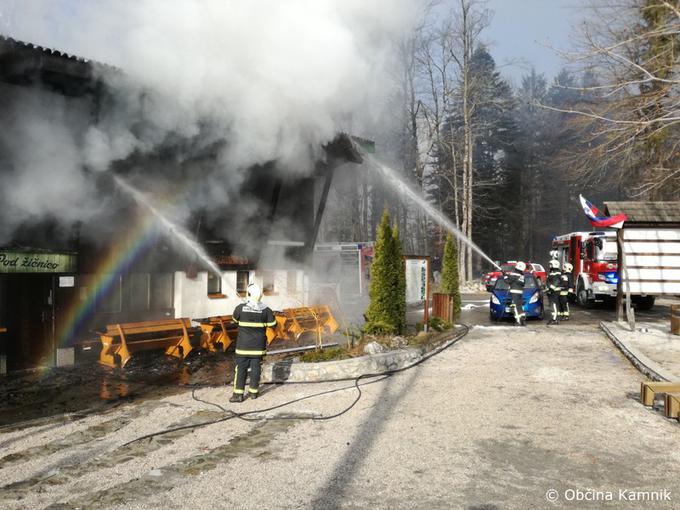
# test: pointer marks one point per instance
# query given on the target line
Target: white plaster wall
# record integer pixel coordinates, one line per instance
(191, 294)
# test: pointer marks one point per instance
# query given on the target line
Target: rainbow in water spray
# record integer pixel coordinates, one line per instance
(120, 258)
(123, 255)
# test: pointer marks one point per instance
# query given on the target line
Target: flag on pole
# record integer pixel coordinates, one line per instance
(597, 220)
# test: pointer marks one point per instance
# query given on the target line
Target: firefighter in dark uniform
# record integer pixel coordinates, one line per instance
(554, 288)
(515, 280)
(253, 319)
(567, 289)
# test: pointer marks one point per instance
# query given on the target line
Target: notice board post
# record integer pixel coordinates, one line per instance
(417, 270)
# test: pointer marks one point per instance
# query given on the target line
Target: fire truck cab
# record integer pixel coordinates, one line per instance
(594, 257)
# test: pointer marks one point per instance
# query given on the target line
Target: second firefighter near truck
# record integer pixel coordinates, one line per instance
(515, 280)
(554, 290)
(253, 319)
(567, 289)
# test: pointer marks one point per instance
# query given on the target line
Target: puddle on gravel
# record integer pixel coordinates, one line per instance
(66, 394)
(257, 442)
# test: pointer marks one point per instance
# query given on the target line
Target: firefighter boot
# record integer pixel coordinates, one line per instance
(236, 398)
(522, 320)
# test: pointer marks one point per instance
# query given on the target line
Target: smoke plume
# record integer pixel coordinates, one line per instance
(261, 80)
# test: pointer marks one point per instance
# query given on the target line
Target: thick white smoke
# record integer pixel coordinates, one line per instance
(272, 78)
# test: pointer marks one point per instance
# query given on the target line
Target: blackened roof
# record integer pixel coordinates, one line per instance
(24, 63)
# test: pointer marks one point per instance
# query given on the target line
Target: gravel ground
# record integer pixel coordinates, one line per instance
(495, 421)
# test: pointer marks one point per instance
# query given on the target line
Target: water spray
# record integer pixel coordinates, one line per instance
(406, 191)
(173, 230)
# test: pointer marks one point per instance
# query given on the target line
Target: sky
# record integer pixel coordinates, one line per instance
(521, 29)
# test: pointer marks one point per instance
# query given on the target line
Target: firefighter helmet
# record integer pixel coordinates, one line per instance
(567, 267)
(520, 266)
(554, 264)
(254, 292)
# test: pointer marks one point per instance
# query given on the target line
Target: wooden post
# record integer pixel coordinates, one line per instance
(623, 272)
(426, 313)
(619, 284)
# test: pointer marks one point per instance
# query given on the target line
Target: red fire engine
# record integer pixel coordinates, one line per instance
(594, 257)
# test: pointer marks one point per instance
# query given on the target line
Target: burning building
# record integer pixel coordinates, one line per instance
(103, 257)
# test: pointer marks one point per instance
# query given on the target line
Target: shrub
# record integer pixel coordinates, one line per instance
(450, 280)
(439, 324)
(379, 328)
(329, 354)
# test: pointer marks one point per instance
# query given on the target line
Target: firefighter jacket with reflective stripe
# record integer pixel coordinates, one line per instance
(554, 281)
(253, 321)
(567, 282)
(516, 282)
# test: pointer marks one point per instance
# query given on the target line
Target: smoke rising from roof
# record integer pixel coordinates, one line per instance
(262, 79)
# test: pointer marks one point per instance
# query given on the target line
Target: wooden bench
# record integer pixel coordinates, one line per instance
(221, 331)
(121, 341)
(649, 389)
(671, 405)
(308, 319)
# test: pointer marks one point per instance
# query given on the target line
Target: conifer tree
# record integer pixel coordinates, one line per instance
(450, 281)
(382, 312)
(400, 295)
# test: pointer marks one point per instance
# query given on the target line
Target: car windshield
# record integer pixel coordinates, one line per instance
(529, 283)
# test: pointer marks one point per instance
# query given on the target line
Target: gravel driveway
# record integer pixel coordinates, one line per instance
(495, 421)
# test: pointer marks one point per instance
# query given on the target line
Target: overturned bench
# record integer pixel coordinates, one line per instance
(671, 405)
(649, 389)
(221, 331)
(291, 324)
(121, 341)
(296, 322)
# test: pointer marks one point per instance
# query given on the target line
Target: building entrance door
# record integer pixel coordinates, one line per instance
(27, 305)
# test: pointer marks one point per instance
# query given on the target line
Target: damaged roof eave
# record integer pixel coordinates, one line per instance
(343, 149)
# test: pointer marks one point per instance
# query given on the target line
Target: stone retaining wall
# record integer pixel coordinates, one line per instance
(290, 371)
(325, 371)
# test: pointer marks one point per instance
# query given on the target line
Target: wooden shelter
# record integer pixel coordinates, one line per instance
(648, 251)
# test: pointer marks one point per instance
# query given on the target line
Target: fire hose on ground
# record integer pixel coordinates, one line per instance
(254, 415)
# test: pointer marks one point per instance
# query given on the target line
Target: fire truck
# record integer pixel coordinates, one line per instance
(594, 257)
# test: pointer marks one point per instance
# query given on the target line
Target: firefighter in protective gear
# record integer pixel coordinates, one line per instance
(515, 280)
(554, 283)
(253, 319)
(567, 289)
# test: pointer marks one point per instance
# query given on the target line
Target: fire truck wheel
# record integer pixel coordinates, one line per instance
(644, 303)
(582, 296)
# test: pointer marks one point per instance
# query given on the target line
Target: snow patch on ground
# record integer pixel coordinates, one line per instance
(471, 306)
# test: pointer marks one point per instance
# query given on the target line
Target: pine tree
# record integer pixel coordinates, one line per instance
(450, 281)
(400, 295)
(382, 314)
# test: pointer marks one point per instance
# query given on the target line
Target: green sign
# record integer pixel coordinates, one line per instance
(32, 262)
